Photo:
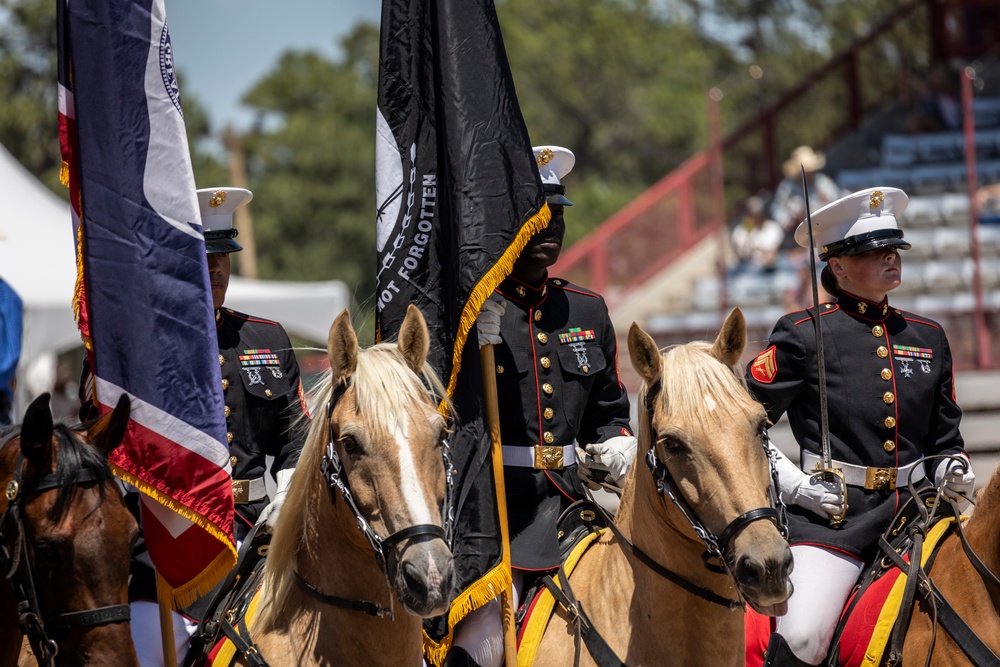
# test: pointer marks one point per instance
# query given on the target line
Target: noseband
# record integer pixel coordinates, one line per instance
(32, 620)
(717, 548)
(385, 548)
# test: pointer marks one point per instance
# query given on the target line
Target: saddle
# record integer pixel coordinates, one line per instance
(580, 525)
(223, 635)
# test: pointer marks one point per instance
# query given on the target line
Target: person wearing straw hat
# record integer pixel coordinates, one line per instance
(788, 205)
(11, 325)
(891, 402)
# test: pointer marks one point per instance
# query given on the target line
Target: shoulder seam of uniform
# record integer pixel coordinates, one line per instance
(916, 319)
(249, 318)
(809, 316)
(567, 287)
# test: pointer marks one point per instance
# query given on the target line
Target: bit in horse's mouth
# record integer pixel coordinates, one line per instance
(779, 609)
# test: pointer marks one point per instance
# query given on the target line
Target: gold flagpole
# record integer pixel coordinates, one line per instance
(166, 625)
(493, 419)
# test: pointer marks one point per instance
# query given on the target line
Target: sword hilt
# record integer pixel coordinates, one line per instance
(833, 476)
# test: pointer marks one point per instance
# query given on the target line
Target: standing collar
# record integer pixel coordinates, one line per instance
(863, 308)
(520, 292)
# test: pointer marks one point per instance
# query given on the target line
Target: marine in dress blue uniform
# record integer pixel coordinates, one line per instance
(890, 402)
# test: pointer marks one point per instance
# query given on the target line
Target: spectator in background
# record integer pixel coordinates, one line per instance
(11, 317)
(756, 239)
(937, 107)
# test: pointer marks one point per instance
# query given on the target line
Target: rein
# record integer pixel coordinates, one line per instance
(332, 469)
(32, 620)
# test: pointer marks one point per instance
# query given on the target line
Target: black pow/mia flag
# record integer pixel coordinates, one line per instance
(459, 196)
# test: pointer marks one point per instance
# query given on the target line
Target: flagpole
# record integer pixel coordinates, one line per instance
(166, 625)
(493, 419)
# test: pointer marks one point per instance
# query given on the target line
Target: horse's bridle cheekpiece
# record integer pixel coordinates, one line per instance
(33, 621)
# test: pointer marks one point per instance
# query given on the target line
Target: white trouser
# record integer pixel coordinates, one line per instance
(146, 633)
(823, 579)
(480, 633)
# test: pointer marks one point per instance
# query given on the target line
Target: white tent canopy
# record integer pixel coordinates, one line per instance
(37, 258)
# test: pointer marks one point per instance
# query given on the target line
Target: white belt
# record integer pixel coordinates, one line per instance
(249, 490)
(540, 457)
(882, 479)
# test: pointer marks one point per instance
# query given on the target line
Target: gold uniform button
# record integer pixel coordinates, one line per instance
(222, 360)
(232, 460)
(547, 388)
(877, 331)
(228, 411)
(548, 438)
(229, 437)
(888, 445)
(268, 393)
(886, 374)
(499, 370)
(545, 362)
(882, 352)
(225, 384)
(890, 422)
(538, 315)
(542, 337)
(888, 398)
(549, 413)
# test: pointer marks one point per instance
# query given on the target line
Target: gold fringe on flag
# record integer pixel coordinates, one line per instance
(64, 173)
(78, 287)
(206, 580)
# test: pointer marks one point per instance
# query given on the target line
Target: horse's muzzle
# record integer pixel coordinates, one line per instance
(424, 578)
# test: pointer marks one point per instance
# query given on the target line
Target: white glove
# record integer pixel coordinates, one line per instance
(488, 322)
(798, 488)
(613, 457)
(955, 484)
(269, 515)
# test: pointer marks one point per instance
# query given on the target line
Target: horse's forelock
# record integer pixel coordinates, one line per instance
(74, 455)
(692, 378)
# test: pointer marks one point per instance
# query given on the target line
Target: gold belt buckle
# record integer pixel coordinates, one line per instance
(241, 491)
(548, 457)
(880, 479)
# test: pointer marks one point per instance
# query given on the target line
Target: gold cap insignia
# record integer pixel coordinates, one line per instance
(545, 156)
(862, 307)
(876, 199)
(218, 197)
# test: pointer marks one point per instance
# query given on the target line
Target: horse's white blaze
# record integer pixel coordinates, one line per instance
(409, 482)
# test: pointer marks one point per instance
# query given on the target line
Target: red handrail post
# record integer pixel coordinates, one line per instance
(718, 190)
(969, 130)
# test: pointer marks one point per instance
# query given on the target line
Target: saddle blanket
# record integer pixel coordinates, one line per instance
(542, 605)
(868, 628)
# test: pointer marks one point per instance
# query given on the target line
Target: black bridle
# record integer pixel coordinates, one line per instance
(385, 548)
(35, 623)
(718, 548)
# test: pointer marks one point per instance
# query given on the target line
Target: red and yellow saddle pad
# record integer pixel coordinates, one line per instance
(224, 654)
(541, 607)
(868, 628)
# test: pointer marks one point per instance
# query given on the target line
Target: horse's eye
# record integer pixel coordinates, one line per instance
(351, 445)
(669, 442)
(47, 552)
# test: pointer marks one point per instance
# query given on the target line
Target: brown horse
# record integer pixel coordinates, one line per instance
(65, 541)
(705, 434)
(375, 458)
(974, 595)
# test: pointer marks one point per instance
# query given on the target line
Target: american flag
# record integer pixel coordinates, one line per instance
(143, 298)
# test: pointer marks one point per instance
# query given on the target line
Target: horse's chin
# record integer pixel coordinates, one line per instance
(777, 609)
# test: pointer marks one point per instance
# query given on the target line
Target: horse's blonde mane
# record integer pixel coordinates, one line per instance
(691, 375)
(384, 387)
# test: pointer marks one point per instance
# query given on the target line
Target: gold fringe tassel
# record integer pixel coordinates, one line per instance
(487, 587)
(78, 287)
(211, 575)
(64, 173)
(488, 283)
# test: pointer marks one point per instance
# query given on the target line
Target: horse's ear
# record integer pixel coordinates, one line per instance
(644, 353)
(414, 339)
(342, 348)
(728, 346)
(109, 431)
(36, 431)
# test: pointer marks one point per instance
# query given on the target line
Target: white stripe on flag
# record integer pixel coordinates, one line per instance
(67, 106)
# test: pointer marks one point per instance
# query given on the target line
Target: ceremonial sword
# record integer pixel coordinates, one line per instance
(824, 470)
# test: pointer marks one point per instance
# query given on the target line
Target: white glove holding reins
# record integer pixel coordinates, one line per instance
(282, 480)
(955, 483)
(611, 458)
(799, 488)
(488, 322)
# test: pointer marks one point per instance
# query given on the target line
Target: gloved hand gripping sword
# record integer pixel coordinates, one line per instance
(824, 469)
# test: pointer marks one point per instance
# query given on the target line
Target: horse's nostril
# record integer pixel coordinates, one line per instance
(415, 583)
(750, 571)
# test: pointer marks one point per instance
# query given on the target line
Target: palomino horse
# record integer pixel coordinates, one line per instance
(65, 541)
(700, 433)
(376, 458)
